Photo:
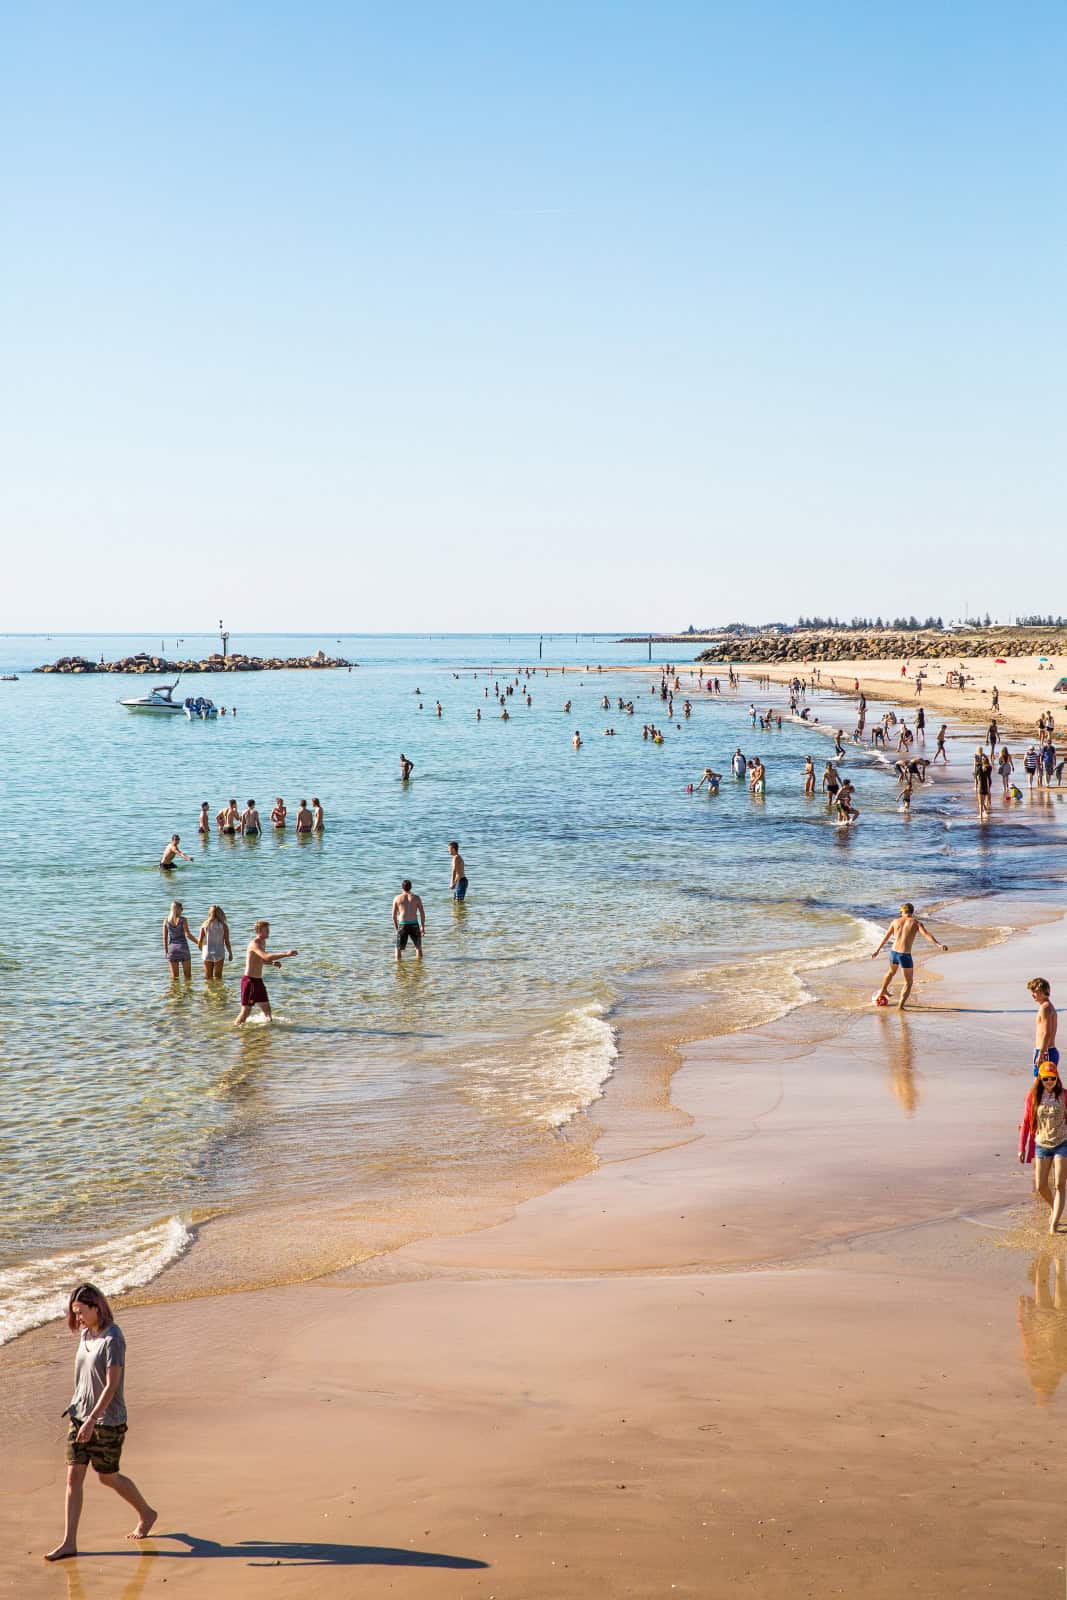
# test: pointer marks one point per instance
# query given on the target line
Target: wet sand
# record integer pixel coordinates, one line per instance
(799, 1348)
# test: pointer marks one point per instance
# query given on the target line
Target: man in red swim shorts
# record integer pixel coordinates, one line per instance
(257, 956)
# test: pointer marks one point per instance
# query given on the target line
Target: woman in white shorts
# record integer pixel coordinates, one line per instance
(214, 942)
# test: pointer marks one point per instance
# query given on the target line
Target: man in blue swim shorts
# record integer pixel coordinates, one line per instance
(1047, 1019)
(901, 935)
(458, 884)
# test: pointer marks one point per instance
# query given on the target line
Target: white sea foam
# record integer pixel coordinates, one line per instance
(34, 1292)
(774, 980)
(558, 1071)
(575, 1061)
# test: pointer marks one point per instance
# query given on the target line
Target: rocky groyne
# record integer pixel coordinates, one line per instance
(157, 665)
(844, 645)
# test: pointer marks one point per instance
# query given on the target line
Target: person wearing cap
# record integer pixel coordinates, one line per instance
(1043, 1136)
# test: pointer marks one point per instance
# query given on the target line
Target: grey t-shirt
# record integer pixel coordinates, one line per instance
(96, 1353)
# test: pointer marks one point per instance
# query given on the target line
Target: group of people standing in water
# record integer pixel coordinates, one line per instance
(231, 821)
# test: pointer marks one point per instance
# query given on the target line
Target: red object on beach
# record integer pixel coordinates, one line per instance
(1000, 662)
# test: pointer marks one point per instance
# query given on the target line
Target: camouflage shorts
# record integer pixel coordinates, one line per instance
(102, 1451)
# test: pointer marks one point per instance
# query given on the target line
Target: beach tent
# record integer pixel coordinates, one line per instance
(1061, 687)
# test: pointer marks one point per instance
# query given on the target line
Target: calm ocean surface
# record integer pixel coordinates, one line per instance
(130, 1104)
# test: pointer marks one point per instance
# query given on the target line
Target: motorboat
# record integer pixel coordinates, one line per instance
(157, 699)
(9, 677)
(200, 709)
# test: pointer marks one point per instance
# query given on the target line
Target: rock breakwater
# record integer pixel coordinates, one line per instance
(833, 645)
(215, 663)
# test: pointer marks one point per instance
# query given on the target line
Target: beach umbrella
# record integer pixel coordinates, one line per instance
(1042, 658)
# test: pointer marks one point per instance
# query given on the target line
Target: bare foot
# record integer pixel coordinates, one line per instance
(61, 1552)
(145, 1526)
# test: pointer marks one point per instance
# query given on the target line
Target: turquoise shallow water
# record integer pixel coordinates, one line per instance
(128, 1100)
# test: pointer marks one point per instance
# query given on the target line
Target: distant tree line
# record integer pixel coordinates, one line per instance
(868, 624)
(1043, 622)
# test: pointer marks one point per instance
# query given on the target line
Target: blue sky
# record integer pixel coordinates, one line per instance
(501, 316)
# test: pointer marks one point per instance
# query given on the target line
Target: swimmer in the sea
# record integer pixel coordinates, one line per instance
(577, 740)
(279, 813)
(712, 779)
(171, 852)
(204, 825)
(406, 767)
(809, 775)
(251, 826)
(317, 823)
(303, 818)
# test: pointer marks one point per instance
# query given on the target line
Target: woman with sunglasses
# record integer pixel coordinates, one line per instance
(1043, 1135)
(97, 1415)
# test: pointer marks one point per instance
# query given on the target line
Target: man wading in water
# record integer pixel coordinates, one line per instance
(901, 931)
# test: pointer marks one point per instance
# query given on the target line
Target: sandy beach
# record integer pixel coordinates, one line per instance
(780, 1354)
(1025, 685)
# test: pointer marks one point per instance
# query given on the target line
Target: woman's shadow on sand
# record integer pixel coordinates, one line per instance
(298, 1553)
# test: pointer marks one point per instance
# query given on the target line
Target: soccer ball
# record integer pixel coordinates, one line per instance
(879, 1000)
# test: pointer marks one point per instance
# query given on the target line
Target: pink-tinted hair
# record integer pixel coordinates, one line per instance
(89, 1295)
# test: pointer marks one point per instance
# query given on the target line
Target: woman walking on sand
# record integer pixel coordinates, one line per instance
(214, 942)
(97, 1414)
(176, 936)
(1043, 1134)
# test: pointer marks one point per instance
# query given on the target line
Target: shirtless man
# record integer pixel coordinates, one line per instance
(409, 919)
(577, 740)
(170, 851)
(279, 814)
(846, 811)
(902, 932)
(303, 818)
(229, 818)
(1045, 1035)
(940, 751)
(317, 824)
(251, 826)
(406, 767)
(458, 883)
(257, 956)
(204, 825)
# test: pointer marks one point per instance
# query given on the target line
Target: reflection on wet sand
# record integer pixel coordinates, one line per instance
(902, 1065)
(134, 1588)
(1043, 1325)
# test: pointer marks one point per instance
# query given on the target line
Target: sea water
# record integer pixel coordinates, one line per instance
(129, 1103)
